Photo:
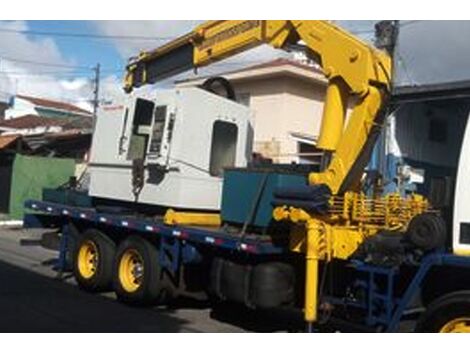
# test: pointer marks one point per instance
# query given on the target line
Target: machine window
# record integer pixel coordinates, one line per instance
(464, 233)
(224, 147)
(141, 123)
(158, 129)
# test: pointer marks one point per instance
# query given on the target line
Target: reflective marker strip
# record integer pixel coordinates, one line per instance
(83, 216)
(34, 206)
(103, 219)
(149, 228)
(247, 247)
(209, 239)
(213, 240)
(124, 223)
(65, 212)
(49, 209)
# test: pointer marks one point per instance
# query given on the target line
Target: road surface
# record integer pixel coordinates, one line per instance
(33, 300)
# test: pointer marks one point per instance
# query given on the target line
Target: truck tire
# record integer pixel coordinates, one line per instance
(449, 313)
(138, 276)
(93, 261)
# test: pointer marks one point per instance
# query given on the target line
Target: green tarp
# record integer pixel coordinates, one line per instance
(31, 174)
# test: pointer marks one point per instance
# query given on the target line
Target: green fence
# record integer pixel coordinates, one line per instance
(31, 174)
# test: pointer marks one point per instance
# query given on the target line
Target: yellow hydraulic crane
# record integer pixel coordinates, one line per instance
(352, 67)
(358, 76)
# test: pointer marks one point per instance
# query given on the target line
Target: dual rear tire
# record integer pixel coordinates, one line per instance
(131, 269)
(138, 277)
(93, 261)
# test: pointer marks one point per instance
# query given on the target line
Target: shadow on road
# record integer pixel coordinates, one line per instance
(30, 302)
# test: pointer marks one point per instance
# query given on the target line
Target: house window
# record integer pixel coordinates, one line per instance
(438, 130)
(224, 147)
(158, 129)
(308, 153)
(244, 99)
(141, 123)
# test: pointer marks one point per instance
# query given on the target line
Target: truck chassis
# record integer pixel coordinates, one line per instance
(382, 309)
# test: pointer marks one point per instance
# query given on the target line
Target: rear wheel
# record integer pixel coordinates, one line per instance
(447, 314)
(138, 276)
(93, 261)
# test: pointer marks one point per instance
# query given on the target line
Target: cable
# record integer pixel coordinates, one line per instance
(54, 73)
(6, 58)
(84, 35)
(129, 37)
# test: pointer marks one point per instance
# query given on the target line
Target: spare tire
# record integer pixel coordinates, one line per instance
(427, 231)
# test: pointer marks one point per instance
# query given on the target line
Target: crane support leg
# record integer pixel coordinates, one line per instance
(313, 251)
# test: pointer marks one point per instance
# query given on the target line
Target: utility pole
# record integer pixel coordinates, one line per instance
(96, 92)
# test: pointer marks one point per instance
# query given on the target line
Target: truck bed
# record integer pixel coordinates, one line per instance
(216, 237)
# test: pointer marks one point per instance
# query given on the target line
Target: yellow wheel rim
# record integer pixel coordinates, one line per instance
(131, 270)
(457, 325)
(88, 259)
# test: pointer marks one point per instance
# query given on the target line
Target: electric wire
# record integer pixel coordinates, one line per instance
(84, 35)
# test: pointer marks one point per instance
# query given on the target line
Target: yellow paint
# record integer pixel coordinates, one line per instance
(333, 116)
(461, 251)
(131, 270)
(183, 218)
(460, 325)
(344, 167)
(87, 259)
(338, 234)
(313, 255)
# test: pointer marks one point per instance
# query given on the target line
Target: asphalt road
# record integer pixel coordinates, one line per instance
(33, 300)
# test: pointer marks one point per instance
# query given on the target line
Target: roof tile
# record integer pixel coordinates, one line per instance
(53, 104)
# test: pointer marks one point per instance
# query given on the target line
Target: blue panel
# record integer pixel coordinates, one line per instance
(242, 189)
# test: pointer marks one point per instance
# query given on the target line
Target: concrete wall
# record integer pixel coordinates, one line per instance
(283, 105)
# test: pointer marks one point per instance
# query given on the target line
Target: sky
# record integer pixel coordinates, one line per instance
(75, 57)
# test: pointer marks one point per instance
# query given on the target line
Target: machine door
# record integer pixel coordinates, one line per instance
(140, 128)
(461, 226)
(161, 134)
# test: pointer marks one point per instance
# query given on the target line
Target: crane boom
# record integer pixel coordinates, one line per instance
(352, 68)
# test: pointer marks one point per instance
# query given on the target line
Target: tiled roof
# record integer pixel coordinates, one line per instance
(32, 121)
(53, 104)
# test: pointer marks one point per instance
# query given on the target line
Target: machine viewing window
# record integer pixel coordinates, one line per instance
(141, 123)
(224, 147)
(465, 233)
(158, 129)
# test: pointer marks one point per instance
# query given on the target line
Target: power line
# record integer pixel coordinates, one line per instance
(85, 35)
(55, 73)
(131, 37)
(43, 63)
